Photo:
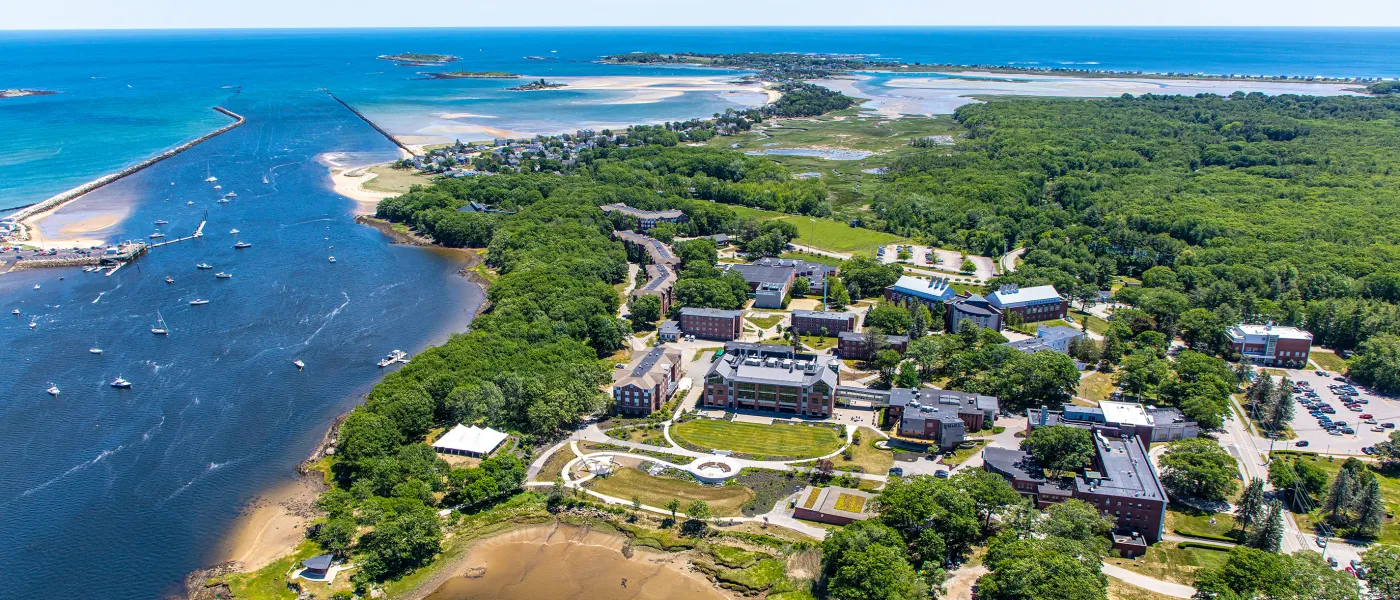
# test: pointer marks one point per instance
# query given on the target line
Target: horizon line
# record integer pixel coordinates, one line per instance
(756, 27)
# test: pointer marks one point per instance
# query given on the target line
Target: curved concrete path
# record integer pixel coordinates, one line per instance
(1174, 590)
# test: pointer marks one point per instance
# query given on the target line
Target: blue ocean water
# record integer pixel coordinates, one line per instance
(141, 484)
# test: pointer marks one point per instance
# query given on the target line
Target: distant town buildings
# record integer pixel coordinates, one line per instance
(1119, 419)
(712, 323)
(646, 219)
(1121, 483)
(772, 378)
(812, 322)
(648, 382)
(1271, 345)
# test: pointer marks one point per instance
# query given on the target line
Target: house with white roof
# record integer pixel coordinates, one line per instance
(469, 441)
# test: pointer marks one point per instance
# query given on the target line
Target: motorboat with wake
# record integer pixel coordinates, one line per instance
(53, 389)
(121, 384)
(162, 222)
(332, 259)
(157, 235)
(94, 350)
(223, 275)
(204, 266)
(300, 365)
(234, 232)
(169, 279)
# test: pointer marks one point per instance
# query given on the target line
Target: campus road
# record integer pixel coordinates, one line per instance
(1007, 262)
(1246, 449)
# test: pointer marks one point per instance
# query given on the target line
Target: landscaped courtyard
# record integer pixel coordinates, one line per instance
(776, 440)
(627, 483)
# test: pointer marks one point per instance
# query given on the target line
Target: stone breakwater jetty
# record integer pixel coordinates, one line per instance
(381, 131)
(75, 193)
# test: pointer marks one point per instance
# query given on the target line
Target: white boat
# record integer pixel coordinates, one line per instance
(33, 324)
(231, 195)
(300, 365)
(393, 357)
(157, 235)
(222, 200)
(121, 384)
(198, 302)
(162, 222)
(203, 266)
(264, 179)
(36, 286)
(332, 259)
(53, 390)
(15, 312)
(160, 328)
(94, 350)
(169, 279)
(211, 179)
(223, 275)
(242, 245)
(233, 232)
(159, 331)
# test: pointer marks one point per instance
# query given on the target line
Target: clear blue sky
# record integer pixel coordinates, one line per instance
(173, 14)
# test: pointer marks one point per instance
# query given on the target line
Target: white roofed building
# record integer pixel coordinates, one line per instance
(1038, 303)
(469, 441)
(1271, 345)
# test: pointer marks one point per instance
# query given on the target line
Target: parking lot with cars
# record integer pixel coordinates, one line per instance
(1333, 415)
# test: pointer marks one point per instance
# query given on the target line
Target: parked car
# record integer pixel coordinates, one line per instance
(1366, 415)
(941, 474)
(1388, 425)
(1348, 431)
(1378, 429)
(897, 472)
(1321, 373)
(1301, 443)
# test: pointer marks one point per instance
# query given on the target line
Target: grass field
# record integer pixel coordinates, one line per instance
(962, 454)
(1198, 524)
(817, 342)
(1390, 488)
(764, 322)
(1119, 590)
(1329, 361)
(1096, 323)
(394, 181)
(1097, 386)
(554, 466)
(828, 234)
(758, 440)
(1168, 562)
(813, 258)
(724, 500)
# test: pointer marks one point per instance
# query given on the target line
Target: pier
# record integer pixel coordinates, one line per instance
(372, 124)
(111, 258)
(52, 203)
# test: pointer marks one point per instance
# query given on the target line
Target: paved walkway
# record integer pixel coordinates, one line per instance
(1174, 590)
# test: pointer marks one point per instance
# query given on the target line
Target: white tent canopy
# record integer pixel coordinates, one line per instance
(469, 441)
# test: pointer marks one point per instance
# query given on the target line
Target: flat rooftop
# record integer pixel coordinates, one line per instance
(1124, 412)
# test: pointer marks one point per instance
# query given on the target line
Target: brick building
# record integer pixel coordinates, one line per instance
(1119, 419)
(852, 345)
(1121, 483)
(661, 282)
(712, 323)
(771, 378)
(811, 322)
(943, 416)
(648, 382)
(1271, 345)
(1039, 303)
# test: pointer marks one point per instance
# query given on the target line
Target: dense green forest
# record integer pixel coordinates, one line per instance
(1253, 207)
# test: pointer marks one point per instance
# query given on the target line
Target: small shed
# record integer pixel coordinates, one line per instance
(317, 566)
(469, 441)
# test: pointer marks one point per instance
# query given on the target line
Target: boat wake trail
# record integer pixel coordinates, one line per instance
(329, 317)
(101, 294)
(78, 467)
(211, 468)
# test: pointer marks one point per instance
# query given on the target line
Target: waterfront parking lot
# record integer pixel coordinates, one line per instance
(1383, 409)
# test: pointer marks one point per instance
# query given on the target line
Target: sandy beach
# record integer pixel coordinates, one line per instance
(933, 95)
(555, 561)
(272, 525)
(646, 90)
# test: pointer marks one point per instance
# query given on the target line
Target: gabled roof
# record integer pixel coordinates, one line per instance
(470, 439)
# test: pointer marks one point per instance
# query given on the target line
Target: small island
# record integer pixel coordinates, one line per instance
(419, 58)
(20, 93)
(472, 75)
(539, 84)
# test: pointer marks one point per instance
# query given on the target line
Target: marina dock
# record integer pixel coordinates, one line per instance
(111, 257)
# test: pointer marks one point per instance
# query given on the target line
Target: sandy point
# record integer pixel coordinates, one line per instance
(273, 525)
(350, 183)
